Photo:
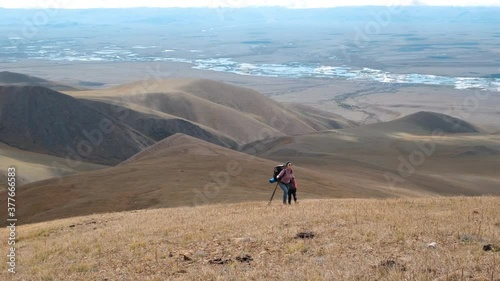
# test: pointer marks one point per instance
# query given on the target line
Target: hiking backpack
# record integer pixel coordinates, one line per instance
(277, 171)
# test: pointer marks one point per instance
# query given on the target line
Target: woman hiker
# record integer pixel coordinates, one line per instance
(286, 181)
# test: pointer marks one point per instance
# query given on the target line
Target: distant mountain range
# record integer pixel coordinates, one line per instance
(200, 16)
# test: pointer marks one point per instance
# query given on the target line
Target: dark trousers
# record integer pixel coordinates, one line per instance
(292, 191)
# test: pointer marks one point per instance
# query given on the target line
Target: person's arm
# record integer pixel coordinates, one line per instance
(280, 174)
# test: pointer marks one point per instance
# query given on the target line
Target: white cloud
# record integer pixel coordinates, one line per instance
(71, 4)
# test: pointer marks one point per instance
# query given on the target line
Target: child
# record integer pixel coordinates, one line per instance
(292, 190)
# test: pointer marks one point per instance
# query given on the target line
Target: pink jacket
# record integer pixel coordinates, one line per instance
(285, 176)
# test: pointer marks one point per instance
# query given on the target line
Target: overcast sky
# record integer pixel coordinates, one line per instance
(72, 4)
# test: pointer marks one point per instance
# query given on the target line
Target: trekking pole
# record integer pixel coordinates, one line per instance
(273, 193)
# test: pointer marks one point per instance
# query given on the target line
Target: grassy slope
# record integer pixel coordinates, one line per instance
(356, 239)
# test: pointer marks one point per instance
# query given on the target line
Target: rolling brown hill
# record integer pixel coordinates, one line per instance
(242, 114)
(185, 171)
(41, 120)
(320, 120)
(231, 122)
(460, 163)
(158, 125)
(425, 122)
(18, 79)
(266, 110)
(33, 166)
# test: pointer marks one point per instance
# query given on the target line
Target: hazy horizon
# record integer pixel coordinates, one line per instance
(298, 4)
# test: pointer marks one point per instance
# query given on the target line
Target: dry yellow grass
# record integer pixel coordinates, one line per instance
(356, 239)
